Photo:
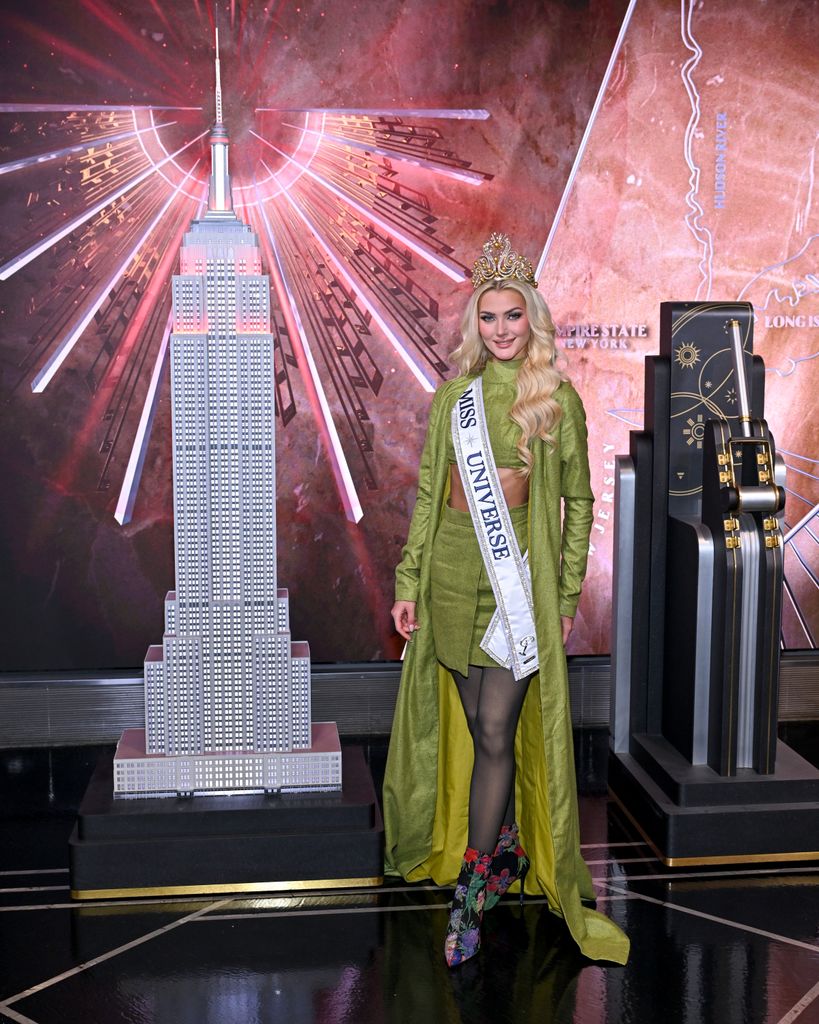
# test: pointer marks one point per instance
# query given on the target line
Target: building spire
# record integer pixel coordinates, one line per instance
(220, 200)
(218, 83)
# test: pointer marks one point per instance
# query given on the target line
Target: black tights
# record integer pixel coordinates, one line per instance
(492, 700)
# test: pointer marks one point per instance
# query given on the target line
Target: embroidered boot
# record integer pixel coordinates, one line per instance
(463, 939)
(509, 862)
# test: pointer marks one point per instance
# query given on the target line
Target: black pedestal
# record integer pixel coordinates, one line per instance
(690, 815)
(209, 844)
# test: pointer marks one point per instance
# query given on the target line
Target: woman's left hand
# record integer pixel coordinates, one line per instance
(566, 623)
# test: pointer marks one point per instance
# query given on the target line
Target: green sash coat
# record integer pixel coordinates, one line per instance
(426, 786)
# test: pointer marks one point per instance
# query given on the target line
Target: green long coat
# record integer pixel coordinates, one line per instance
(426, 787)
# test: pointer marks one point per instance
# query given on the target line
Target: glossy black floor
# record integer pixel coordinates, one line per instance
(729, 946)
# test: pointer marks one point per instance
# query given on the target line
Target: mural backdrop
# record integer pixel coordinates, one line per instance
(636, 151)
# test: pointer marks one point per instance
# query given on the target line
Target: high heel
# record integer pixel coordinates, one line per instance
(509, 862)
(463, 939)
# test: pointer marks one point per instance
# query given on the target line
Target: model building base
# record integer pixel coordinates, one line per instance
(240, 843)
(690, 815)
(138, 774)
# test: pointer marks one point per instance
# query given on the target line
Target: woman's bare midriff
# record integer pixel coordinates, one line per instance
(515, 488)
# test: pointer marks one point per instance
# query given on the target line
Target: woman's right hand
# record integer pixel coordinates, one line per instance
(403, 615)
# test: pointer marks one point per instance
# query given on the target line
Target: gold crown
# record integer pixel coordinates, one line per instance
(500, 263)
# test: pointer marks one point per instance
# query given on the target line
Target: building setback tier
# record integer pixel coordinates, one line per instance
(138, 774)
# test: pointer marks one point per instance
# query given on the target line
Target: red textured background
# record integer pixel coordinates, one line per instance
(80, 591)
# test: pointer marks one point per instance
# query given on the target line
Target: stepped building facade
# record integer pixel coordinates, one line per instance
(227, 693)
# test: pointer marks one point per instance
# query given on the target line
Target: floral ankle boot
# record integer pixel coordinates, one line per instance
(463, 939)
(509, 862)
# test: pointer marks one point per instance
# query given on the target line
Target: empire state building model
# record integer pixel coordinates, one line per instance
(227, 693)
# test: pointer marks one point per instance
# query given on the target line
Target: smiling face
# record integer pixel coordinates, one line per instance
(503, 323)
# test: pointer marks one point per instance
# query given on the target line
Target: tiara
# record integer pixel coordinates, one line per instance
(500, 263)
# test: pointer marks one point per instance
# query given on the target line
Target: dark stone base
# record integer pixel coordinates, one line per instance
(213, 844)
(691, 815)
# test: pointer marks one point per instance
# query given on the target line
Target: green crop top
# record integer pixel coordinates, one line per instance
(499, 393)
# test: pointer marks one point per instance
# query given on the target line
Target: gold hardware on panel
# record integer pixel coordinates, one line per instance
(722, 459)
(724, 477)
(761, 459)
(770, 523)
(733, 542)
(731, 524)
(772, 540)
(764, 476)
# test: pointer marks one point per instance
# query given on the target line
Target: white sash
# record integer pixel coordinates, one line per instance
(510, 637)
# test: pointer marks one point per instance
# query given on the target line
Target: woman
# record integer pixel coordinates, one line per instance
(484, 685)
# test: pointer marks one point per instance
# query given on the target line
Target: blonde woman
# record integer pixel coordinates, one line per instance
(479, 787)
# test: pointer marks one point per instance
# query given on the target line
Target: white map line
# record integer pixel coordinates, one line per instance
(620, 414)
(794, 364)
(701, 234)
(803, 212)
(802, 522)
(778, 266)
(801, 559)
(601, 92)
(797, 455)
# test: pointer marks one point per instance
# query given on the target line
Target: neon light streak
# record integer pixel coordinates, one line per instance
(199, 181)
(18, 262)
(452, 270)
(470, 177)
(34, 108)
(133, 471)
(301, 347)
(601, 92)
(64, 347)
(100, 140)
(397, 344)
(436, 113)
(289, 160)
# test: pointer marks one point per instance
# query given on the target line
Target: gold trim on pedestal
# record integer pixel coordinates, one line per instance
(692, 862)
(228, 887)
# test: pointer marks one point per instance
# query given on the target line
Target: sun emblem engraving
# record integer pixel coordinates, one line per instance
(687, 356)
(695, 431)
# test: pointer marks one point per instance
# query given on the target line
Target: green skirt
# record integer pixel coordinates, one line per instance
(461, 597)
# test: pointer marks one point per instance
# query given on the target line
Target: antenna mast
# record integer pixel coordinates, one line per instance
(218, 83)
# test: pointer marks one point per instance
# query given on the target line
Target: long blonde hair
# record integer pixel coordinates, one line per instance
(534, 410)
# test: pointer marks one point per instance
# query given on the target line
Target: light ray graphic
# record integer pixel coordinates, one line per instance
(67, 343)
(201, 182)
(36, 108)
(693, 219)
(136, 460)
(441, 263)
(341, 471)
(41, 158)
(581, 149)
(18, 262)
(470, 177)
(291, 166)
(459, 115)
(398, 345)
